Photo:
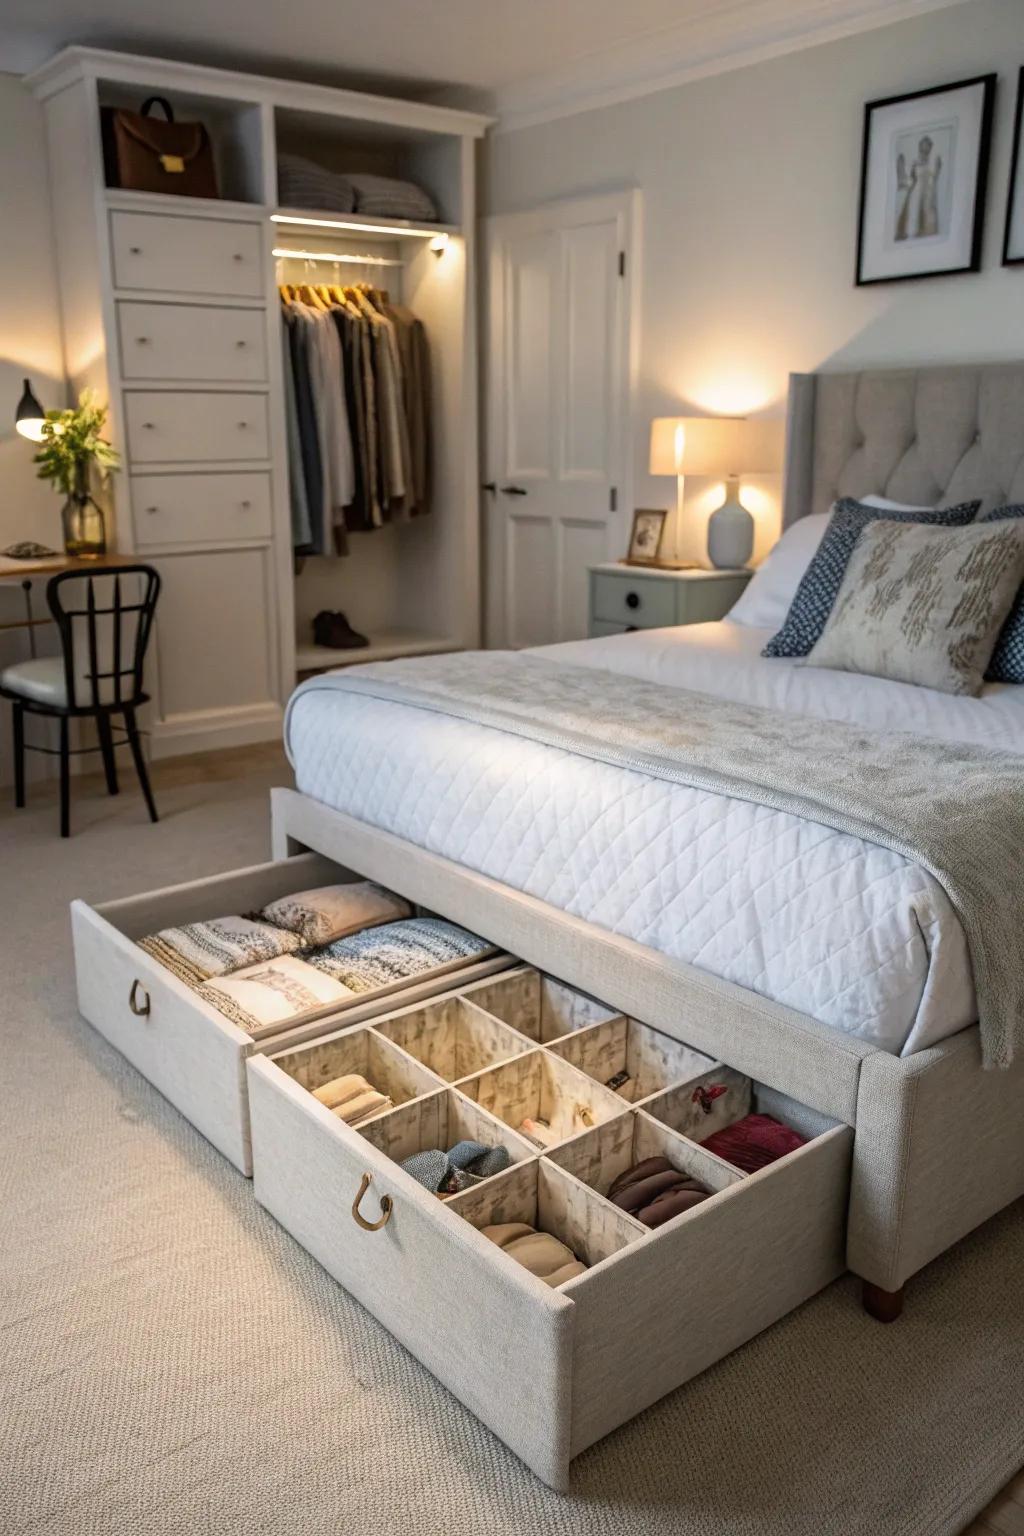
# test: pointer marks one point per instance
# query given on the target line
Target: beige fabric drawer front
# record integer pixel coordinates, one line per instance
(199, 509)
(622, 600)
(166, 253)
(549, 1371)
(187, 1049)
(192, 341)
(189, 427)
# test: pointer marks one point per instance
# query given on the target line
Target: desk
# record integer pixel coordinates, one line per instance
(25, 571)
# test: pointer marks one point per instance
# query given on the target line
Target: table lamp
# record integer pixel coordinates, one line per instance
(720, 447)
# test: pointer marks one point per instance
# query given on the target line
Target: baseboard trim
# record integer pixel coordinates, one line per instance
(208, 730)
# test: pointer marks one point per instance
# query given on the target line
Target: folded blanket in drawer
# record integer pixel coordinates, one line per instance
(273, 992)
(197, 951)
(334, 911)
(394, 952)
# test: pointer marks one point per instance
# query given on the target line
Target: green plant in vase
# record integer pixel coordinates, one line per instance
(73, 446)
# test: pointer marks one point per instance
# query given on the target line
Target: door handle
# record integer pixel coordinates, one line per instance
(513, 490)
(489, 485)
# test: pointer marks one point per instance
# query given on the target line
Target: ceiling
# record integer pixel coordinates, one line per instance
(525, 59)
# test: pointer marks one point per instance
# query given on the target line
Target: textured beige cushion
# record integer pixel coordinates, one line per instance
(923, 605)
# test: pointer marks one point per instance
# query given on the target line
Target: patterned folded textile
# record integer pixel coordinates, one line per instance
(197, 951)
(273, 992)
(653, 1191)
(333, 911)
(445, 1173)
(543, 1255)
(301, 183)
(352, 1098)
(754, 1142)
(395, 952)
(387, 197)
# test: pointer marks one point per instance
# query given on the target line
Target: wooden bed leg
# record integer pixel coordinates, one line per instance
(883, 1306)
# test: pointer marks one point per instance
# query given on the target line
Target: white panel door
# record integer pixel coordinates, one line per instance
(558, 384)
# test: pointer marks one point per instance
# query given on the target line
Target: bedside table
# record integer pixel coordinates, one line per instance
(625, 597)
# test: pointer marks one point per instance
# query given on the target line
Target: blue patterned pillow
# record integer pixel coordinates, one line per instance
(1007, 664)
(819, 586)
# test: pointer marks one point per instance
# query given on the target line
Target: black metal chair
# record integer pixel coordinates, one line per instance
(104, 619)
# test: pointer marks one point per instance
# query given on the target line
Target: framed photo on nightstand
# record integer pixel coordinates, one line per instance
(645, 539)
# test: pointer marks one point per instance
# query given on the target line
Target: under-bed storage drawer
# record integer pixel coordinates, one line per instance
(548, 1370)
(193, 1053)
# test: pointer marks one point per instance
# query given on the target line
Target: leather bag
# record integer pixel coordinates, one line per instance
(142, 153)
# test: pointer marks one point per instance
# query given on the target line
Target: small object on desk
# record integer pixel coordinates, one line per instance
(28, 549)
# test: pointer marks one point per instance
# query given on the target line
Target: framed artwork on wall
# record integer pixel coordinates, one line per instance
(1013, 239)
(924, 168)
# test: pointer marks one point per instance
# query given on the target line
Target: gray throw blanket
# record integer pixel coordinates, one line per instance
(957, 811)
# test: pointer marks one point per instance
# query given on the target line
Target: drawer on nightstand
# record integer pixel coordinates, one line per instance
(645, 603)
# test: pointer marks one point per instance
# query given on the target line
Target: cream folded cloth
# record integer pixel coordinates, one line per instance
(543, 1255)
(352, 1098)
(332, 911)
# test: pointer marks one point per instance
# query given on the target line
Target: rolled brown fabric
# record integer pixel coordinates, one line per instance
(654, 1191)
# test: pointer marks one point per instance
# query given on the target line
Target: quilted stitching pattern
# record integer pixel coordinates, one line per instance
(1007, 663)
(838, 928)
(820, 583)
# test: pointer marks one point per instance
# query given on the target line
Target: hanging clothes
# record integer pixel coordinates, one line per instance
(357, 412)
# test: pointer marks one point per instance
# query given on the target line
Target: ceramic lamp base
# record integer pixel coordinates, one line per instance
(730, 533)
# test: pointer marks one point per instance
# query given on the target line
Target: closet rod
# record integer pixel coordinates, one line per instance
(334, 257)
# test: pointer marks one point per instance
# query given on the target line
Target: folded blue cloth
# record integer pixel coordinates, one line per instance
(445, 1173)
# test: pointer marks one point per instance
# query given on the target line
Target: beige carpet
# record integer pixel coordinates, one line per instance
(173, 1363)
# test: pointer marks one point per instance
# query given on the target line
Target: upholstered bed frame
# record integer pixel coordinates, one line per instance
(939, 1143)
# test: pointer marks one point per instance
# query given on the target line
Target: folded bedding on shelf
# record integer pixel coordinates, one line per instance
(195, 952)
(389, 197)
(334, 911)
(543, 1255)
(395, 952)
(273, 992)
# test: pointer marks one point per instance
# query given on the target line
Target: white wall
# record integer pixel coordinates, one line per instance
(30, 337)
(750, 184)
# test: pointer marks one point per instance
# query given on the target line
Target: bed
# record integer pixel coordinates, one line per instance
(832, 967)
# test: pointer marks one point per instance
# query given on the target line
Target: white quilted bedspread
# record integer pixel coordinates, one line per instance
(833, 926)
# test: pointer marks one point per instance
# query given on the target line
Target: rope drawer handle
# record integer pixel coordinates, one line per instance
(141, 1010)
(387, 1205)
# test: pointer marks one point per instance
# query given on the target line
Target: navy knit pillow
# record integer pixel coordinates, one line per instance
(1007, 664)
(819, 586)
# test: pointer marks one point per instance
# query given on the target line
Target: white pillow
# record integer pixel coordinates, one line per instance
(765, 600)
(892, 506)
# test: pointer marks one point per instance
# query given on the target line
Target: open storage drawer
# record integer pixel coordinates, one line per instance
(192, 1052)
(548, 1370)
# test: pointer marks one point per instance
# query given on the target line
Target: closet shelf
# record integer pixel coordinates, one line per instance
(187, 207)
(386, 645)
(311, 220)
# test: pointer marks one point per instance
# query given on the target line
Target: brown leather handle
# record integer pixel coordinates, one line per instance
(387, 1205)
(141, 1010)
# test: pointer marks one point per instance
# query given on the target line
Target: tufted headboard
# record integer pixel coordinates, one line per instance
(929, 436)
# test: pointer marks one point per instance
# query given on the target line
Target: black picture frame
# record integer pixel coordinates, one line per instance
(1015, 166)
(988, 86)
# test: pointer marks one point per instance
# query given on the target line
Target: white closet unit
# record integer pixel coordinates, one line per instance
(171, 313)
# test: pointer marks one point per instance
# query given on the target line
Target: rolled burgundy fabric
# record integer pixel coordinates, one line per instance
(754, 1142)
(653, 1191)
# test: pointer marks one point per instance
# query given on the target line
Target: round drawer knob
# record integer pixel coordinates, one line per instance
(246, 505)
(632, 599)
(148, 426)
(242, 426)
(241, 343)
(151, 510)
(135, 250)
(237, 256)
(142, 341)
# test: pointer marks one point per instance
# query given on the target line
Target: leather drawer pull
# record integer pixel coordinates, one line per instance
(141, 1010)
(386, 1206)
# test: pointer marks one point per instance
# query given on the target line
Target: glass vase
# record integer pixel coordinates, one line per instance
(85, 527)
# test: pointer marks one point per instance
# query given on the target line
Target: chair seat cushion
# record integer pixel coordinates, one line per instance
(41, 680)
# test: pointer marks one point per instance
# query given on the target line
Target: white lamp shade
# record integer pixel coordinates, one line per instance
(715, 445)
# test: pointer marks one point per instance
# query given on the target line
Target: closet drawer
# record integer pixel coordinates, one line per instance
(644, 604)
(167, 253)
(549, 1370)
(193, 427)
(192, 341)
(199, 509)
(186, 1048)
